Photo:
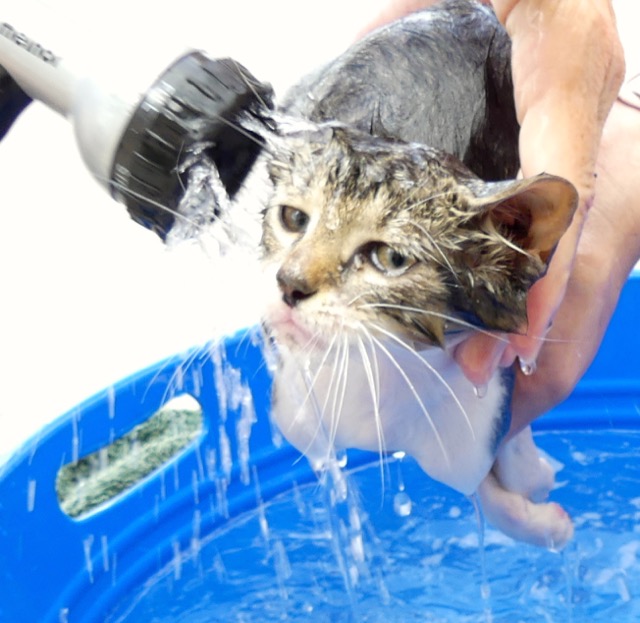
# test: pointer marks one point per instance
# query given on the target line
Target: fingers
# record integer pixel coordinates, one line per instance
(609, 248)
(567, 73)
(479, 356)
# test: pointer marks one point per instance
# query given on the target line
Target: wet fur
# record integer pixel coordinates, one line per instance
(366, 353)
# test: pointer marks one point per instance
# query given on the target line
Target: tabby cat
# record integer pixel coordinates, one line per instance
(385, 247)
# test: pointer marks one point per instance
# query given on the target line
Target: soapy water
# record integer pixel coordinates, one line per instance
(354, 550)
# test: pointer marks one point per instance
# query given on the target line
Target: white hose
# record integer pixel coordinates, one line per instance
(96, 87)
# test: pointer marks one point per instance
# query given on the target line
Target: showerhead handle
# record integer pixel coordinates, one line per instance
(137, 132)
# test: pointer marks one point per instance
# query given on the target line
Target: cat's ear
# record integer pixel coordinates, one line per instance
(533, 213)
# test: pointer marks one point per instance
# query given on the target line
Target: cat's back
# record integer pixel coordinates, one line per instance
(440, 77)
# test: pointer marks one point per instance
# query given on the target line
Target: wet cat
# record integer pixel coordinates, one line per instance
(384, 250)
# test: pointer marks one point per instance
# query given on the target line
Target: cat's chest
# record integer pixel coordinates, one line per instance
(385, 397)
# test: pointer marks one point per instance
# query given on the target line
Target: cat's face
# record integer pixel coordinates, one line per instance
(368, 234)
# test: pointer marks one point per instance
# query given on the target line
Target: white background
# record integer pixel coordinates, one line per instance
(87, 296)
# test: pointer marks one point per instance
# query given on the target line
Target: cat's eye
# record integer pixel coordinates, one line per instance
(293, 220)
(389, 260)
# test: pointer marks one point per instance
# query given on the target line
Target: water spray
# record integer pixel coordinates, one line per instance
(140, 126)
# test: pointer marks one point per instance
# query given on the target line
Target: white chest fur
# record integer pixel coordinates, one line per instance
(386, 397)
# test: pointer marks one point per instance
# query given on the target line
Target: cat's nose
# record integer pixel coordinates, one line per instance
(295, 288)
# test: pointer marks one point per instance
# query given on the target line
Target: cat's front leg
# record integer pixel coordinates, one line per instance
(513, 493)
(520, 468)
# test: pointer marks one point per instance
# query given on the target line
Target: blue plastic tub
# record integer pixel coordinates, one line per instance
(149, 555)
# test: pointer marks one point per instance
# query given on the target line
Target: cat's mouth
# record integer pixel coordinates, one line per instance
(286, 326)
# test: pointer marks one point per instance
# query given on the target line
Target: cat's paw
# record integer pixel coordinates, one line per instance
(534, 483)
(543, 524)
(520, 468)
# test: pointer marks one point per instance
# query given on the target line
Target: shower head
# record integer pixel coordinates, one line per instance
(137, 134)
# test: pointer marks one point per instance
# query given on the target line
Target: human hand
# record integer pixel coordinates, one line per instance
(566, 76)
(608, 249)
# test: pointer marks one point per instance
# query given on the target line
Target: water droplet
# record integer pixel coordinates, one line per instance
(354, 575)
(75, 440)
(114, 569)
(31, 495)
(196, 543)
(282, 568)
(338, 483)
(455, 512)
(485, 590)
(104, 543)
(357, 548)
(86, 546)
(341, 458)
(260, 507)
(480, 390)
(402, 504)
(264, 525)
(178, 378)
(527, 367)
(218, 567)
(485, 593)
(195, 485)
(623, 589)
(177, 560)
(383, 591)
(226, 462)
(111, 401)
(243, 432)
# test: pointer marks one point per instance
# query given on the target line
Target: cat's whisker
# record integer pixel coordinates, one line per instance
(416, 395)
(320, 412)
(263, 134)
(412, 205)
(252, 86)
(445, 260)
(409, 203)
(432, 370)
(374, 358)
(204, 231)
(185, 362)
(342, 373)
(311, 382)
(156, 204)
(429, 312)
(373, 378)
(499, 336)
(310, 345)
(311, 397)
(356, 298)
(508, 243)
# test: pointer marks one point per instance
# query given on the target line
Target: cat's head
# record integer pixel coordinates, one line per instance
(368, 232)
